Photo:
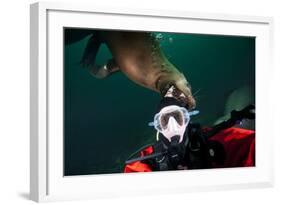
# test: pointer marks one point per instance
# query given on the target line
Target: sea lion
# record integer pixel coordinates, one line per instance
(139, 56)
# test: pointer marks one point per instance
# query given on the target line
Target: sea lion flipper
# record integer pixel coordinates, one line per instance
(91, 50)
(89, 57)
(105, 70)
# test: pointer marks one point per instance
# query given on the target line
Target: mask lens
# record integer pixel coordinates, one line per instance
(156, 122)
(177, 115)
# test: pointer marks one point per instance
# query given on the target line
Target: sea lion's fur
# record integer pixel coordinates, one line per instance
(139, 56)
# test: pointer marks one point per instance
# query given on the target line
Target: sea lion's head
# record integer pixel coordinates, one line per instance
(179, 81)
(183, 86)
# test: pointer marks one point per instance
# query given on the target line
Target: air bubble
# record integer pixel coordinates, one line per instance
(171, 40)
(159, 36)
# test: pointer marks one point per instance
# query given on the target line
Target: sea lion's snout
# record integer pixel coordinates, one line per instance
(182, 91)
(185, 88)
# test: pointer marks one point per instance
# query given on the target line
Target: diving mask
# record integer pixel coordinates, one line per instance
(172, 120)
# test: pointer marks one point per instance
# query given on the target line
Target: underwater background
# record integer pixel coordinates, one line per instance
(106, 120)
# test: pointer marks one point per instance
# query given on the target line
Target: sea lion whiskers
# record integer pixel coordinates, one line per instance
(196, 92)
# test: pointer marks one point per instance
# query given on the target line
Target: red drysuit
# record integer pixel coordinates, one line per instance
(239, 146)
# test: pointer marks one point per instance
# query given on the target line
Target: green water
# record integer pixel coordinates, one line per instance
(107, 120)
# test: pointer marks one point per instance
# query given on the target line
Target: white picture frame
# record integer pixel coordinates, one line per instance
(47, 182)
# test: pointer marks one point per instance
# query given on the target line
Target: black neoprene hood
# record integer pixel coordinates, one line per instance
(167, 101)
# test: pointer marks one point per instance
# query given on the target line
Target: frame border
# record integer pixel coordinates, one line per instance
(39, 74)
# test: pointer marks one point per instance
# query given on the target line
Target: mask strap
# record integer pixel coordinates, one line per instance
(157, 136)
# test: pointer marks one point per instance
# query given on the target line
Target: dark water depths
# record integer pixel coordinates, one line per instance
(107, 120)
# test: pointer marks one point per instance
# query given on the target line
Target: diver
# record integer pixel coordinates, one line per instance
(181, 144)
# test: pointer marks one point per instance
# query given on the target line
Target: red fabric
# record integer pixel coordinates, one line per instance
(139, 166)
(239, 145)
